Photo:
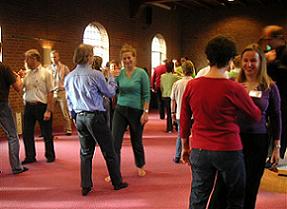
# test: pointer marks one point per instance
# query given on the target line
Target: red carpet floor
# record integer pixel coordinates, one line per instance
(57, 185)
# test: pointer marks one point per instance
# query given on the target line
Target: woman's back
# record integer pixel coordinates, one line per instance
(215, 103)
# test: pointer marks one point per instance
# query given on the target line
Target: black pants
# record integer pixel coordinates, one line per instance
(92, 129)
(33, 113)
(124, 116)
(255, 149)
(284, 128)
(160, 104)
(167, 102)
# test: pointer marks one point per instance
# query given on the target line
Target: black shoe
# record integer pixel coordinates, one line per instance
(122, 185)
(50, 160)
(176, 160)
(26, 161)
(20, 170)
(86, 190)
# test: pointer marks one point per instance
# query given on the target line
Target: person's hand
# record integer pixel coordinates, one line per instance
(22, 73)
(185, 157)
(115, 72)
(144, 118)
(106, 72)
(47, 115)
(275, 157)
(173, 116)
(270, 56)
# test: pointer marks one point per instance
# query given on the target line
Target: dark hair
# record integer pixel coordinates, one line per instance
(273, 31)
(97, 63)
(220, 50)
(169, 67)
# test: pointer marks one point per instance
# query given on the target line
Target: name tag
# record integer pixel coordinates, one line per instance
(256, 94)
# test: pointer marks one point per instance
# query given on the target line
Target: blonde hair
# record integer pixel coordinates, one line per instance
(188, 67)
(82, 53)
(33, 53)
(128, 48)
(262, 76)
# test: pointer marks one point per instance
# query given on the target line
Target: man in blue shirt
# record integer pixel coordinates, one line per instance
(85, 89)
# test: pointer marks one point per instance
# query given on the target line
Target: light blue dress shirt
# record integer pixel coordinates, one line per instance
(86, 87)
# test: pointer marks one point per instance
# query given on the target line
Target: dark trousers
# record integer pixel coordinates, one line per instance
(284, 128)
(124, 116)
(205, 164)
(255, 152)
(160, 104)
(92, 129)
(167, 102)
(33, 113)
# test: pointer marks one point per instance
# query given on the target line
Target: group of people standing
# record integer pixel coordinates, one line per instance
(235, 122)
(85, 89)
(84, 92)
(40, 90)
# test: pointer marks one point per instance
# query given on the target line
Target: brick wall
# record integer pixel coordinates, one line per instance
(29, 24)
(243, 24)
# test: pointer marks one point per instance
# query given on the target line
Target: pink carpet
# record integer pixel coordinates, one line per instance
(57, 185)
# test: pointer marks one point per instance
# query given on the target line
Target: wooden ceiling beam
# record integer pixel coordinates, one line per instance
(160, 1)
(201, 4)
(134, 6)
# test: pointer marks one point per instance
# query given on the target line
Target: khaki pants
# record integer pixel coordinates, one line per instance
(60, 97)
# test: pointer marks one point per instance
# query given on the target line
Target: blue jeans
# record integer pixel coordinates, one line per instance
(205, 165)
(8, 125)
(254, 164)
(178, 145)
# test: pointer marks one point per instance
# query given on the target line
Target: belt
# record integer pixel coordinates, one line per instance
(35, 103)
(89, 112)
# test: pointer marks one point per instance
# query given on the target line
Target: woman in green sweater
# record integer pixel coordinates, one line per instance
(132, 106)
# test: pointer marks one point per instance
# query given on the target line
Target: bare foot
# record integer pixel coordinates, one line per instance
(141, 172)
(108, 179)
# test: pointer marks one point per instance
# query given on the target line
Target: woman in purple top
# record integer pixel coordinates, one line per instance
(254, 135)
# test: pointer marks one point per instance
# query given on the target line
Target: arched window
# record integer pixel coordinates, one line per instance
(158, 51)
(96, 35)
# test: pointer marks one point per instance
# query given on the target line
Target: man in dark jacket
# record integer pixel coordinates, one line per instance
(275, 39)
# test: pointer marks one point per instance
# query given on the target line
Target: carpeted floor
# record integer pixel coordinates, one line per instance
(166, 185)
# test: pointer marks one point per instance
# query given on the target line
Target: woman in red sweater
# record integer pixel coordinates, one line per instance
(214, 103)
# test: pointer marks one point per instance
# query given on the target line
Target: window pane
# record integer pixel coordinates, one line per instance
(158, 54)
(96, 35)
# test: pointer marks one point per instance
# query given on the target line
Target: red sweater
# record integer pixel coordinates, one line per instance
(155, 79)
(214, 104)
